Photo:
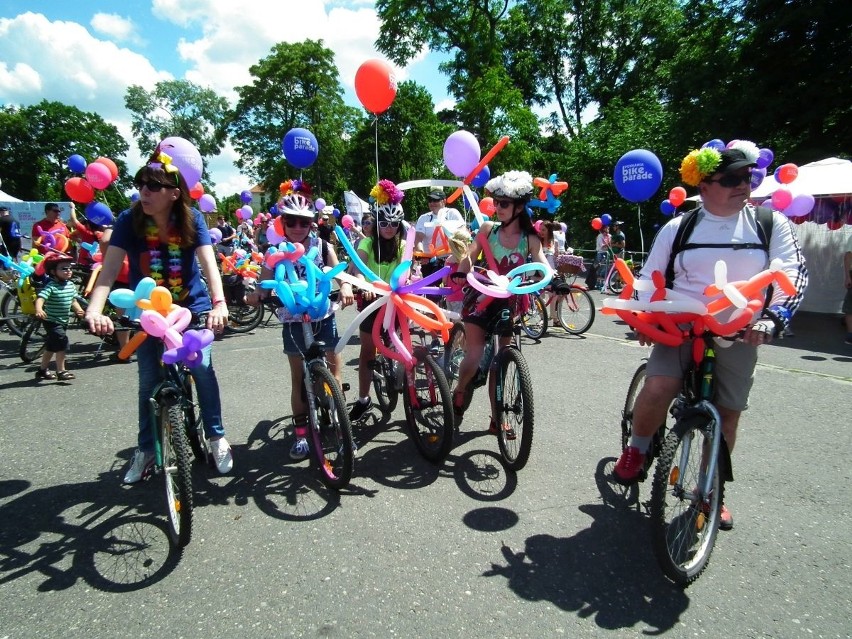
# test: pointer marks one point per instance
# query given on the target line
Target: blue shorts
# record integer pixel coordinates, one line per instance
(294, 338)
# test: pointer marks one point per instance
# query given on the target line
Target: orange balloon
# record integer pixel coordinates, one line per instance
(113, 168)
(375, 85)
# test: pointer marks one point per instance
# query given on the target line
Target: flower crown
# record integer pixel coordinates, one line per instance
(700, 163)
(512, 184)
(296, 186)
(385, 192)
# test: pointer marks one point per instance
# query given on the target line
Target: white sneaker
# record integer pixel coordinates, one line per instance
(140, 467)
(300, 449)
(221, 450)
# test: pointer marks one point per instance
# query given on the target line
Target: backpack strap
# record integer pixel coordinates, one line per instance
(763, 217)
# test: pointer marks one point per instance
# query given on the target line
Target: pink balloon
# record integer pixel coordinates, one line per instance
(98, 175)
(781, 199)
(537, 226)
(347, 222)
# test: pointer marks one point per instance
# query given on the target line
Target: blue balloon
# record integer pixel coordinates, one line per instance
(606, 219)
(99, 213)
(77, 163)
(667, 208)
(336, 213)
(715, 143)
(482, 177)
(637, 175)
(300, 148)
(134, 197)
(245, 197)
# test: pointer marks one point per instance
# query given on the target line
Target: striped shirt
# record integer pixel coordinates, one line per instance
(57, 298)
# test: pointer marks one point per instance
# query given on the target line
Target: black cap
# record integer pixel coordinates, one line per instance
(733, 159)
(436, 195)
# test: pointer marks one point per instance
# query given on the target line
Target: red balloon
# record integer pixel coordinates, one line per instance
(597, 223)
(486, 206)
(787, 173)
(196, 191)
(79, 190)
(113, 168)
(677, 196)
(375, 85)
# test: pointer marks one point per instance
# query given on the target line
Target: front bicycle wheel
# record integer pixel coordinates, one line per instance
(575, 310)
(32, 341)
(384, 383)
(534, 319)
(243, 318)
(195, 434)
(10, 310)
(684, 521)
(429, 407)
(330, 428)
(515, 411)
(177, 474)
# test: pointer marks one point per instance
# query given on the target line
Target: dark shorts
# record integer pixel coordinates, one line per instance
(495, 317)
(294, 338)
(55, 339)
(847, 302)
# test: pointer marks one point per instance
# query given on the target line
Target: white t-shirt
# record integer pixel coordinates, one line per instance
(559, 238)
(450, 219)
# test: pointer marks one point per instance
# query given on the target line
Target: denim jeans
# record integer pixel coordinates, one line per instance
(149, 355)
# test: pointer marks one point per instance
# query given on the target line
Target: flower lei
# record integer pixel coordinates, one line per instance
(156, 265)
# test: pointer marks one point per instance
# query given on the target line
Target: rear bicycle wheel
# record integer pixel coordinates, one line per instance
(243, 318)
(429, 408)
(177, 474)
(515, 412)
(684, 523)
(575, 310)
(616, 283)
(384, 383)
(330, 428)
(32, 341)
(534, 319)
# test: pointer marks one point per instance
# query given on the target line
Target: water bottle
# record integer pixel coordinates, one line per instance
(707, 368)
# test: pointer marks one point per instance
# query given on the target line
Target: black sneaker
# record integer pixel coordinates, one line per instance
(359, 409)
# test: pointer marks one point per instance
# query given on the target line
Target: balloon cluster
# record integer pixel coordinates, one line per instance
(159, 317)
(308, 295)
(548, 196)
(662, 316)
(99, 174)
(599, 222)
(243, 263)
(793, 206)
(244, 213)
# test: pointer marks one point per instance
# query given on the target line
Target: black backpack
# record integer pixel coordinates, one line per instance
(687, 224)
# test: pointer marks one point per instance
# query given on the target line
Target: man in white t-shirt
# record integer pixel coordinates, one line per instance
(450, 219)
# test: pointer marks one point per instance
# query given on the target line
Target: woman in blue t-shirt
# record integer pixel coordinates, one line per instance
(165, 239)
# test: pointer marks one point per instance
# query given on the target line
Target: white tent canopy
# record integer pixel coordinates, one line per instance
(5, 197)
(831, 176)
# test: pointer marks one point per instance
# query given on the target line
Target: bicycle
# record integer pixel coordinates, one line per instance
(242, 317)
(177, 432)
(573, 307)
(328, 417)
(614, 282)
(426, 398)
(693, 464)
(513, 392)
(534, 318)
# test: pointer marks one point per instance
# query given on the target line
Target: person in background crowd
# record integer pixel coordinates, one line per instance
(51, 223)
(229, 236)
(10, 233)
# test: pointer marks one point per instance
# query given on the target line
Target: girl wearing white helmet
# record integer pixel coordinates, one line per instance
(297, 214)
(511, 238)
(381, 253)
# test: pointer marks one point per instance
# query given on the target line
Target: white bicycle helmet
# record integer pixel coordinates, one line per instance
(389, 212)
(296, 204)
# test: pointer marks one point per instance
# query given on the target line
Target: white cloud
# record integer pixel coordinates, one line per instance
(115, 27)
(21, 78)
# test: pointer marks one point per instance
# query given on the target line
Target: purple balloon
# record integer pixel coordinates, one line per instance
(757, 177)
(801, 205)
(461, 153)
(764, 159)
(185, 157)
(207, 203)
(245, 197)
(319, 204)
(215, 235)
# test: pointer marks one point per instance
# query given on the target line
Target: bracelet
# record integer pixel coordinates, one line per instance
(218, 300)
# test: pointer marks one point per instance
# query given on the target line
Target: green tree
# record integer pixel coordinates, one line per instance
(177, 108)
(296, 85)
(48, 133)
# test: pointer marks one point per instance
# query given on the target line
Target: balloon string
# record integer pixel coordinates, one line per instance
(641, 235)
(376, 124)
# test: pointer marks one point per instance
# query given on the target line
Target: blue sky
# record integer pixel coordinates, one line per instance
(87, 53)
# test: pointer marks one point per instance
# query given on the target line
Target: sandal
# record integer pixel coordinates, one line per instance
(507, 430)
(458, 402)
(44, 373)
(64, 375)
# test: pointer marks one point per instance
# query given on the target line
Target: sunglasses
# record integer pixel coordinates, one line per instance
(733, 181)
(64, 268)
(504, 204)
(152, 186)
(384, 225)
(297, 221)
(54, 211)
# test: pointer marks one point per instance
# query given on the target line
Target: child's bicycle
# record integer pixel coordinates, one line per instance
(512, 388)
(426, 399)
(331, 433)
(694, 463)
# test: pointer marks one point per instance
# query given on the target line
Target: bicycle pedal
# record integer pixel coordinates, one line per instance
(344, 386)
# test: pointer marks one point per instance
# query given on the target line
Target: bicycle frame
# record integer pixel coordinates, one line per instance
(169, 392)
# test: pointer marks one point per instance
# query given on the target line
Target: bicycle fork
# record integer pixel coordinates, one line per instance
(710, 459)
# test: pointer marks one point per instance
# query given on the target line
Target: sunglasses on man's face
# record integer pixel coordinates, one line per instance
(384, 225)
(504, 204)
(297, 221)
(152, 185)
(733, 181)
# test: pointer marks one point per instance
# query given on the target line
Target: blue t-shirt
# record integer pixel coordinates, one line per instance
(196, 297)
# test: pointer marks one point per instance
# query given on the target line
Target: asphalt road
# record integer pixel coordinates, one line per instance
(411, 550)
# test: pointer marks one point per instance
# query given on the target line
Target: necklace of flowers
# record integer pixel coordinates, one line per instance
(156, 264)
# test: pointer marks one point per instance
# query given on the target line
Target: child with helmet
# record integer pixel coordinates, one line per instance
(510, 239)
(297, 215)
(53, 307)
(382, 253)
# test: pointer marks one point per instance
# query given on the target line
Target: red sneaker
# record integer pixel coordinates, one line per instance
(630, 467)
(726, 519)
